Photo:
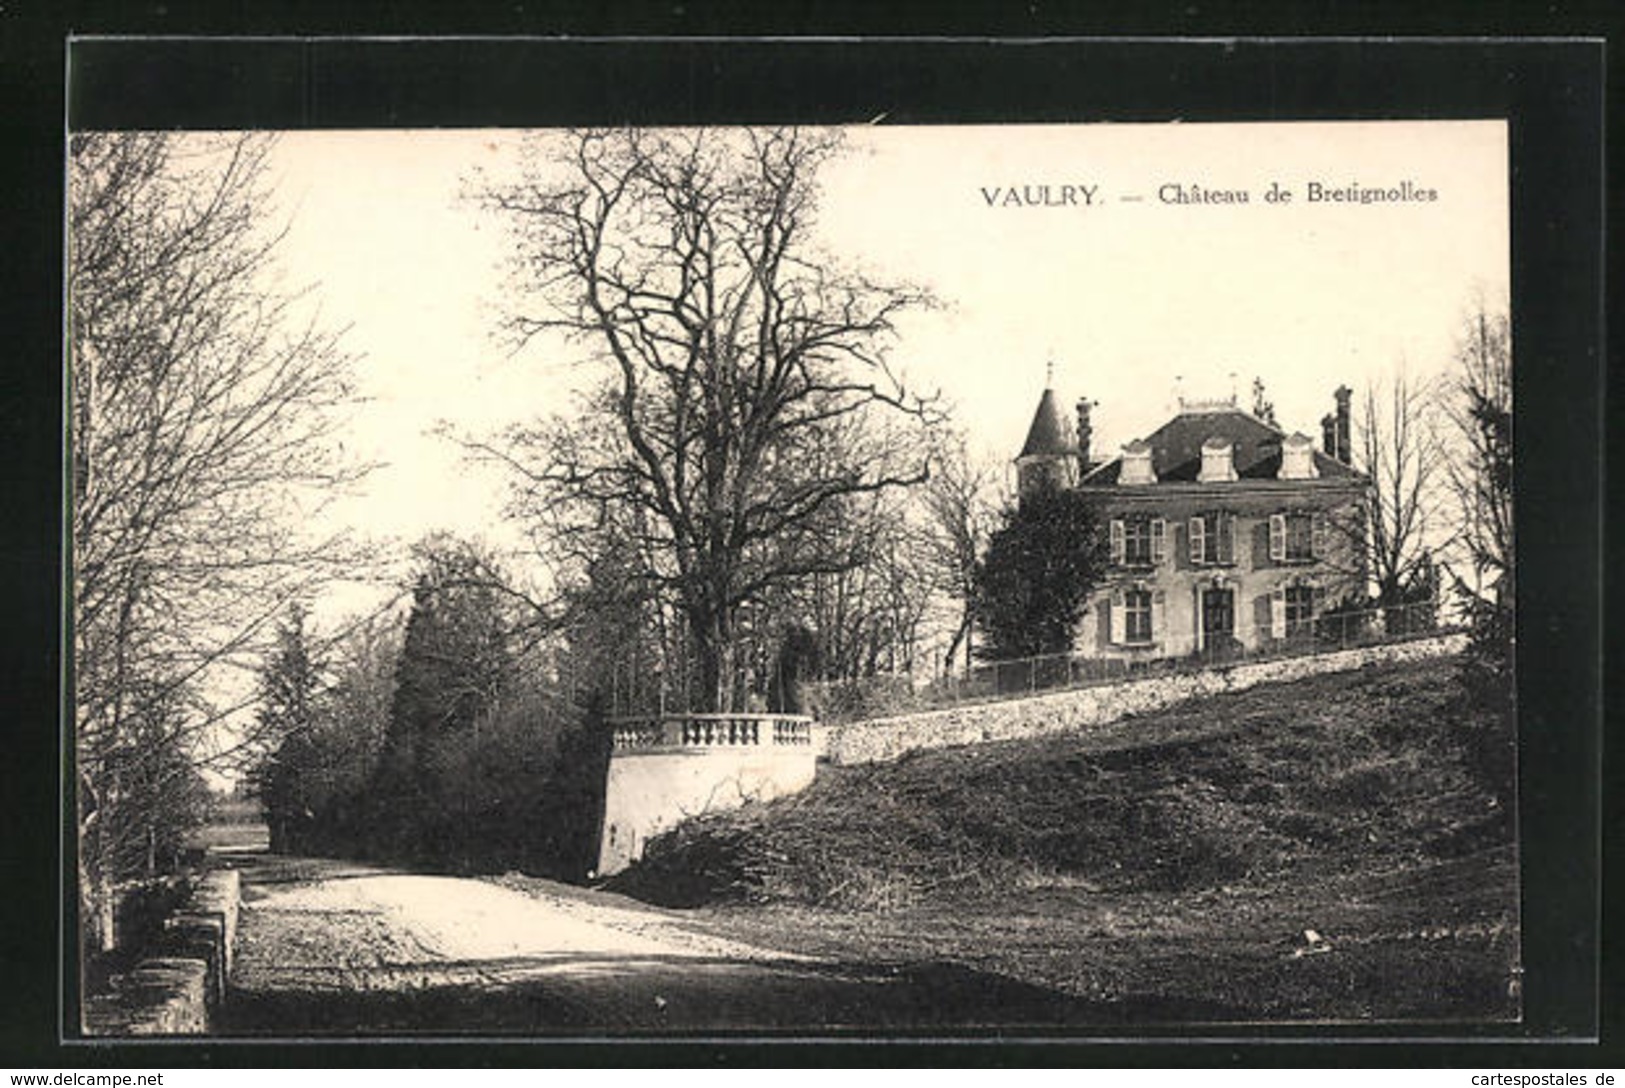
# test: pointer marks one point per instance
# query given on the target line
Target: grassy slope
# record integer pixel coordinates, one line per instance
(1165, 867)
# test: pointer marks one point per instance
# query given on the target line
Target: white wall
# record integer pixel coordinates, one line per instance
(652, 791)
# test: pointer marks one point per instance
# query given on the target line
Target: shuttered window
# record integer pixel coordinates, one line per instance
(1300, 610)
(1213, 539)
(1293, 537)
(1138, 541)
(1137, 615)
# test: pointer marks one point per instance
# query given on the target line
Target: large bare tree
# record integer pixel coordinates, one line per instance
(962, 503)
(746, 390)
(202, 443)
(1481, 473)
(1406, 522)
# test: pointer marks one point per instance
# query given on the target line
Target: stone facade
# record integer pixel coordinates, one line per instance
(1224, 532)
(1213, 567)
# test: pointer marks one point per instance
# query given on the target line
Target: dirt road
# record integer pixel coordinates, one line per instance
(336, 948)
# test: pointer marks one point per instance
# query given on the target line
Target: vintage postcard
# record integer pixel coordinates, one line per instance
(801, 581)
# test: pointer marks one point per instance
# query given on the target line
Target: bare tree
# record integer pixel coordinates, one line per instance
(203, 442)
(1481, 481)
(1406, 518)
(962, 502)
(1481, 475)
(747, 388)
(866, 618)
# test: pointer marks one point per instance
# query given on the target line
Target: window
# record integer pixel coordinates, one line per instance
(1137, 615)
(1213, 539)
(1138, 541)
(1292, 611)
(1296, 537)
(1300, 610)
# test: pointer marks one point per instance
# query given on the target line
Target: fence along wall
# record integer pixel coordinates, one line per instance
(663, 770)
(884, 739)
(895, 696)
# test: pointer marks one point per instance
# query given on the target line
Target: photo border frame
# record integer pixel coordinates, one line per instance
(1550, 90)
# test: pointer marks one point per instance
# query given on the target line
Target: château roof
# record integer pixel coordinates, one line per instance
(1176, 449)
(1047, 436)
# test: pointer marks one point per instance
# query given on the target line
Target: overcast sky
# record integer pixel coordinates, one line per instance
(1124, 295)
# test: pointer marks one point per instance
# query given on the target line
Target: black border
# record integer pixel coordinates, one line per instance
(1551, 90)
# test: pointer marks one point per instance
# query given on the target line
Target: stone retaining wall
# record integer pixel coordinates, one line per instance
(649, 791)
(888, 738)
(165, 995)
(180, 991)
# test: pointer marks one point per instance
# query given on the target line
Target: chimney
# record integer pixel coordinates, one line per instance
(1328, 436)
(1084, 433)
(1345, 444)
(1218, 463)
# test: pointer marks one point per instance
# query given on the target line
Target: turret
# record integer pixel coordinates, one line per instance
(1048, 459)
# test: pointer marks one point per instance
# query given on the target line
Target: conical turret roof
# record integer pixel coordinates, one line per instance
(1047, 437)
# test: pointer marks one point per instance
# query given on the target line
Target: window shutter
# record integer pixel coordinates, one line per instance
(1198, 634)
(1117, 540)
(1158, 600)
(1225, 546)
(1119, 621)
(1159, 540)
(1277, 538)
(1278, 612)
(1317, 540)
(1198, 540)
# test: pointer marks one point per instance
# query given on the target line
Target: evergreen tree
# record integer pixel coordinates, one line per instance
(1038, 570)
(454, 670)
(1481, 478)
(290, 687)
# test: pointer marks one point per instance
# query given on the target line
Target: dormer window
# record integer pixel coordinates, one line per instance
(1298, 458)
(1218, 462)
(1137, 468)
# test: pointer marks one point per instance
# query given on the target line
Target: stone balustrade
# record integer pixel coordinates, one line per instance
(666, 732)
(671, 767)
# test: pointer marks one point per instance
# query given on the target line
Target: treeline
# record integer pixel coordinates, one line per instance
(205, 405)
(450, 738)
